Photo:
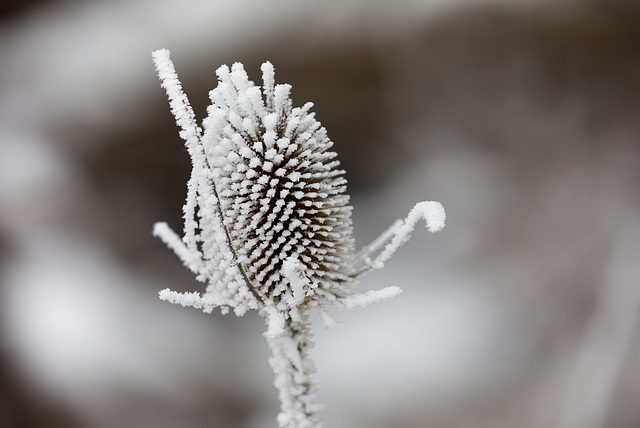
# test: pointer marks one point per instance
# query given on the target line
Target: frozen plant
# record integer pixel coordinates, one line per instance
(267, 222)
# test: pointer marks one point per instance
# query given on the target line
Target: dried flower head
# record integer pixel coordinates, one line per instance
(282, 196)
(267, 220)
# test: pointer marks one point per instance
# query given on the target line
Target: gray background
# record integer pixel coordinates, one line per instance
(521, 117)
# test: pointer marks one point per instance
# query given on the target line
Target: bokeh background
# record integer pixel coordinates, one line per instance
(522, 117)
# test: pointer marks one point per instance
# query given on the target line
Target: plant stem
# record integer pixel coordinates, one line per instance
(293, 370)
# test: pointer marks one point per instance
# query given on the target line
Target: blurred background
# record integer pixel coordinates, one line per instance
(522, 117)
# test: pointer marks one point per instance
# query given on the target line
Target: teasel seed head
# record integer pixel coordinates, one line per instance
(281, 192)
(267, 220)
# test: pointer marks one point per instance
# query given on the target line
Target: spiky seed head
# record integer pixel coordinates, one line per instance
(266, 221)
(281, 193)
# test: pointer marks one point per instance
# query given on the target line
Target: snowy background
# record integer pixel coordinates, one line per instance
(522, 117)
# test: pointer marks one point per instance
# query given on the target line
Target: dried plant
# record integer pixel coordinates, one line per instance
(267, 222)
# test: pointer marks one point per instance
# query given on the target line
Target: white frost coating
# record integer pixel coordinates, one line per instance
(400, 232)
(293, 271)
(205, 248)
(364, 253)
(192, 299)
(275, 322)
(178, 101)
(326, 318)
(173, 241)
(267, 223)
(433, 212)
(368, 298)
(294, 376)
(268, 77)
(190, 132)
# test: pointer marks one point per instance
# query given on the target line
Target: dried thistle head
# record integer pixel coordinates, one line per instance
(281, 193)
(267, 220)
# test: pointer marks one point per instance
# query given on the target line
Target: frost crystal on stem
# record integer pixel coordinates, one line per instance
(267, 221)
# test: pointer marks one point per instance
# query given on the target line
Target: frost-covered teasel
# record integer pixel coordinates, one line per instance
(267, 221)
